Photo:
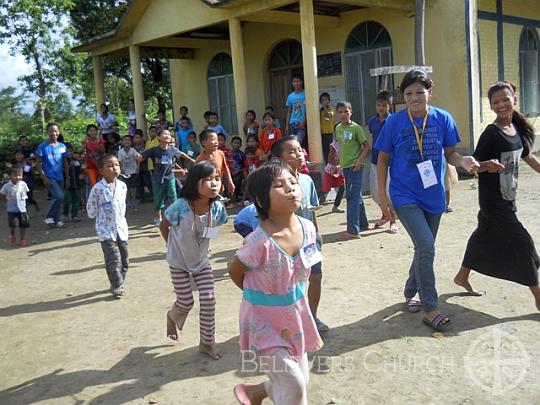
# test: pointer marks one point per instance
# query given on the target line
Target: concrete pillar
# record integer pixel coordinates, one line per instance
(137, 82)
(98, 81)
(311, 85)
(239, 70)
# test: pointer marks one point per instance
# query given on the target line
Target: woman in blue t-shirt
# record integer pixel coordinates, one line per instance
(416, 142)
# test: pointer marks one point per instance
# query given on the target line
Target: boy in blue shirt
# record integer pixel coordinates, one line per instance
(214, 125)
(296, 110)
(383, 103)
(182, 131)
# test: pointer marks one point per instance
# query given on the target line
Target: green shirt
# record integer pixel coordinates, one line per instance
(350, 138)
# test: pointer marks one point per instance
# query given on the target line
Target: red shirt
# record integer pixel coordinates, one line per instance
(93, 151)
(251, 167)
(228, 157)
(267, 139)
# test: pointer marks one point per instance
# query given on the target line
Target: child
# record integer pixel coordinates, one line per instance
(193, 148)
(25, 147)
(184, 114)
(288, 150)
(333, 176)
(164, 158)
(132, 118)
(113, 143)
(187, 227)
(251, 127)
(327, 124)
(72, 186)
(152, 143)
(269, 135)
(251, 162)
(14, 192)
(27, 166)
(238, 171)
(214, 125)
(226, 151)
(209, 141)
(353, 149)
(270, 109)
(246, 221)
(296, 110)
(182, 130)
(107, 204)
(501, 247)
(383, 103)
(92, 148)
(272, 268)
(161, 121)
(253, 142)
(144, 178)
(127, 156)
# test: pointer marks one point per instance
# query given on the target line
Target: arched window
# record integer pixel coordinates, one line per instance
(529, 72)
(221, 91)
(368, 46)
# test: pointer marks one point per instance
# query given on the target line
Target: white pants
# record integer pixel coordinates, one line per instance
(288, 378)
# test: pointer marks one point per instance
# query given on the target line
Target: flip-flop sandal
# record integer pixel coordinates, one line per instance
(438, 322)
(380, 223)
(321, 326)
(393, 229)
(414, 306)
(239, 392)
(348, 236)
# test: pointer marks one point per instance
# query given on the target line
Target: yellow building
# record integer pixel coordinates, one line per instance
(233, 55)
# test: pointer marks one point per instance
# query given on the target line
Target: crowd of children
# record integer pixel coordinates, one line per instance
(279, 266)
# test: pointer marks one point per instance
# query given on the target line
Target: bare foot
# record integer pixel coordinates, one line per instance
(172, 332)
(462, 279)
(175, 322)
(250, 394)
(211, 350)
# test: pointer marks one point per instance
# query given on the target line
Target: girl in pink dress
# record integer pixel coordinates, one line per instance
(272, 268)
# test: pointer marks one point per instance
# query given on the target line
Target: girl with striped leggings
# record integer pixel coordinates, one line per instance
(189, 224)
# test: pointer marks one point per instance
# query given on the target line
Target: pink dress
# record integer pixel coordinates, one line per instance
(274, 313)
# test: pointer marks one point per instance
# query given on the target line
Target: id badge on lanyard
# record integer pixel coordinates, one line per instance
(425, 167)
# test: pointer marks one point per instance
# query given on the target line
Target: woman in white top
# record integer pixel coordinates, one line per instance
(106, 122)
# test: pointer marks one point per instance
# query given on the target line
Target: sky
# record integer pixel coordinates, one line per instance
(10, 68)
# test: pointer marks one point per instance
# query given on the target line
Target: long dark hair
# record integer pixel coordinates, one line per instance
(524, 128)
(198, 171)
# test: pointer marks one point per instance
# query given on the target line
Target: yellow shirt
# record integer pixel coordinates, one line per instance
(327, 123)
(152, 143)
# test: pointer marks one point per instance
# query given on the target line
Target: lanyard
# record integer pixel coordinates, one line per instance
(419, 136)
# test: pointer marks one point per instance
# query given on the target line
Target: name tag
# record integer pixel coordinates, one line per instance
(164, 160)
(210, 233)
(107, 206)
(310, 255)
(190, 152)
(27, 169)
(271, 135)
(427, 173)
(347, 136)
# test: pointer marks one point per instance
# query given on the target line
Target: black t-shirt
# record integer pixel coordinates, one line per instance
(497, 191)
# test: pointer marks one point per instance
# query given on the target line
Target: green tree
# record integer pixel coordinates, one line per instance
(32, 28)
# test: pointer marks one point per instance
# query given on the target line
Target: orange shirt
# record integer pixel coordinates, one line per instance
(267, 139)
(218, 160)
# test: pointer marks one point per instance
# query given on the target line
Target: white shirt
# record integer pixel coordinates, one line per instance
(129, 164)
(106, 123)
(109, 210)
(15, 196)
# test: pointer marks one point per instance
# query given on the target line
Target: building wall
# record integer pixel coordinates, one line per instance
(448, 61)
(529, 9)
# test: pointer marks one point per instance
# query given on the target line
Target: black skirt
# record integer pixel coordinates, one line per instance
(502, 248)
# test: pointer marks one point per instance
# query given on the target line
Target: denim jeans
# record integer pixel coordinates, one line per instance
(116, 261)
(356, 211)
(294, 129)
(422, 227)
(56, 190)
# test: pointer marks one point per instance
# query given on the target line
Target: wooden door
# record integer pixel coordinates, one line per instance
(280, 85)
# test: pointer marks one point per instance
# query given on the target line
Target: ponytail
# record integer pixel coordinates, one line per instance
(523, 127)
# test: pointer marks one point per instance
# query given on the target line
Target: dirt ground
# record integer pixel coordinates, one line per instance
(64, 340)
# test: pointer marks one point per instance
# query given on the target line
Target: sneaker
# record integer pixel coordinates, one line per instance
(338, 210)
(449, 209)
(12, 239)
(49, 221)
(59, 224)
(118, 292)
(24, 242)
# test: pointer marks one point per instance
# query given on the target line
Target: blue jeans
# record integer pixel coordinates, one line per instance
(294, 129)
(422, 227)
(57, 196)
(356, 212)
